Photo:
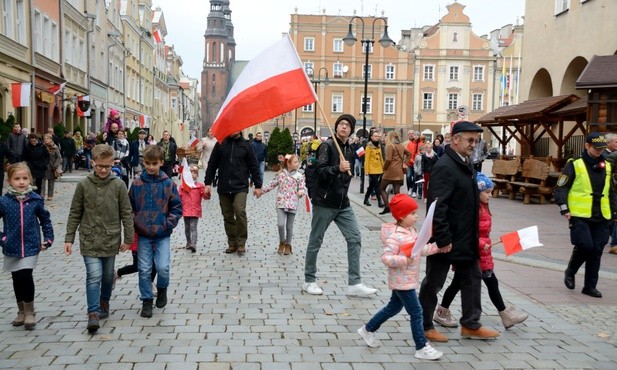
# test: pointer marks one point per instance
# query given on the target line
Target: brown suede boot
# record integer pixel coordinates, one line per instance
(434, 336)
(241, 250)
(281, 247)
(19, 320)
(29, 315)
(231, 249)
(287, 250)
(480, 333)
(510, 317)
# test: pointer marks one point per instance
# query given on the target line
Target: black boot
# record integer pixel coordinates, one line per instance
(385, 210)
(366, 202)
(161, 298)
(146, 308)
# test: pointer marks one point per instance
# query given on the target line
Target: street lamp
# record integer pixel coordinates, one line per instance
(384, 41)
(326, 81)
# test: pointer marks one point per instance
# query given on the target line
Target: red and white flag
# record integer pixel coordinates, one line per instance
(521, 240)
(193, 142)
(20, 94)
(83, 106)
(55, 89)
(309, 204)
(360, 152)
(187, 178)
(157, 36)
(426, 231)
(271, 84)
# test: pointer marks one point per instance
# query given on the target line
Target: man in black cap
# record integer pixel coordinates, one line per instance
(137, 152)
(455, 224)
(331, 203)
(587, 200)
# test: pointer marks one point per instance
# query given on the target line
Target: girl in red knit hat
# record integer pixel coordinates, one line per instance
(403, 275)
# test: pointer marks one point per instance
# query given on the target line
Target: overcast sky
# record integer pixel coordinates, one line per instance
(259, 23)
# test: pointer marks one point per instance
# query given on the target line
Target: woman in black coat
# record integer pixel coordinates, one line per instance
(36, 155)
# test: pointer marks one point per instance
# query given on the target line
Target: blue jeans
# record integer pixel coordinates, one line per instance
(88, 155)
(99, 280)
(398, 300)
(151, 251)
(262, 168)
(345, 219)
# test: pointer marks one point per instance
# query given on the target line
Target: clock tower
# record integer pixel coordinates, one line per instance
(219, 56)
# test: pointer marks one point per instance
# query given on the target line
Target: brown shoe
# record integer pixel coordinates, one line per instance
(231, 249)
(480, 333)
(281, 247)
(287, 250)
(434, 336)
(613, 249)
(241, 250)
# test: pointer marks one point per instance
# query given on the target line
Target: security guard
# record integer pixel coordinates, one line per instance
(586, 198)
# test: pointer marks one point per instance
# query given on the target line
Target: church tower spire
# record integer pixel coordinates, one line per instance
(219, 57)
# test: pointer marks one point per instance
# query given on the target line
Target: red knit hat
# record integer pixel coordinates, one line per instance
(401, 205)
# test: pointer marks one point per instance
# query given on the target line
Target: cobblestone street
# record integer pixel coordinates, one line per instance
(230, 312)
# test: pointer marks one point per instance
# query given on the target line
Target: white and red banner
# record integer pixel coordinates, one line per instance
(157, 36)
(20, 94)
(83, 112)
(55, 89)
(521, 240)
(187, 178)
(271, 84)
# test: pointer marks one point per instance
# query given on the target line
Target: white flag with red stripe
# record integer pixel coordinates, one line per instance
(187, 178)
(520, 240)
(55, 89)
(271, 84)
(20, 94)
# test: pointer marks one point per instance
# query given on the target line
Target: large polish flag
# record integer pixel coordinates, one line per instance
(520, 240)
(271, 84)
(20, 94)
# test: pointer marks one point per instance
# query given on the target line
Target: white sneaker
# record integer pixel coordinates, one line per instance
(428, 353)
(413, 195)
(369, 337)
(312, 288)
(360, 290)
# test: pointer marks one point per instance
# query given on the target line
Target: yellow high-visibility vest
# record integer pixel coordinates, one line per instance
(580, 199)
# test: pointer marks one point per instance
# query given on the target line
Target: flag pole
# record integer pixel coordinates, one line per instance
(338, 148)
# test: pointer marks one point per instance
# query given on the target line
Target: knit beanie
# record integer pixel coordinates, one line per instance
(401, 205)
(347, 117)
(484, 183)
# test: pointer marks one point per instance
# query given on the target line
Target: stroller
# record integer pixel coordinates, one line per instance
(79, 160)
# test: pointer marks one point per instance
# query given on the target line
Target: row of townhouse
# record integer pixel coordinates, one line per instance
(110, 53)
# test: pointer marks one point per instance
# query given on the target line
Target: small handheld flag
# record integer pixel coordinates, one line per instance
(187, 178)
(360, 152)
(309, 205)
(426, 231)
(521, 240)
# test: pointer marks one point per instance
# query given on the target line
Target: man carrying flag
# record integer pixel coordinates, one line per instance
(588, 201)
(331, 203)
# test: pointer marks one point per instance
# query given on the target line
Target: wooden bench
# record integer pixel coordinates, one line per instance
(534, 176)
(504, 171)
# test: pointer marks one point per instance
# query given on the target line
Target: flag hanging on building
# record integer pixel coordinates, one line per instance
(520, 240)
(157, 36)
(83, 106)
(55, 89)
(271, 84)
(20, 94)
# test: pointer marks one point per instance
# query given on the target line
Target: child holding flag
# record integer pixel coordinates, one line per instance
(403, 275)
(191, 194)
(509, 316)
(291, 188)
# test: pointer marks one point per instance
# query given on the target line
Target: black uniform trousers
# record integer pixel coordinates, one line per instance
(589, 238)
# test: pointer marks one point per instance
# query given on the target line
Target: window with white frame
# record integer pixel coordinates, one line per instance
(309, 44)
(453, 73)
(478, 73)
(38, 31)
(368, 70)
(561, 6)
(45, 36)
(369, 108)
(429, 72)
(309, 68)
(337, 69)
(20, 21)
(337, 45)
(337, 103)
(452, 101)
(477, 102)
(390, 72)
(388, 104)
(307, 108)
(427, 101)
(8, 19)
(54, 42)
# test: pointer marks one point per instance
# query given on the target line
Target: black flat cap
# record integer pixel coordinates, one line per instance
(465, 126)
